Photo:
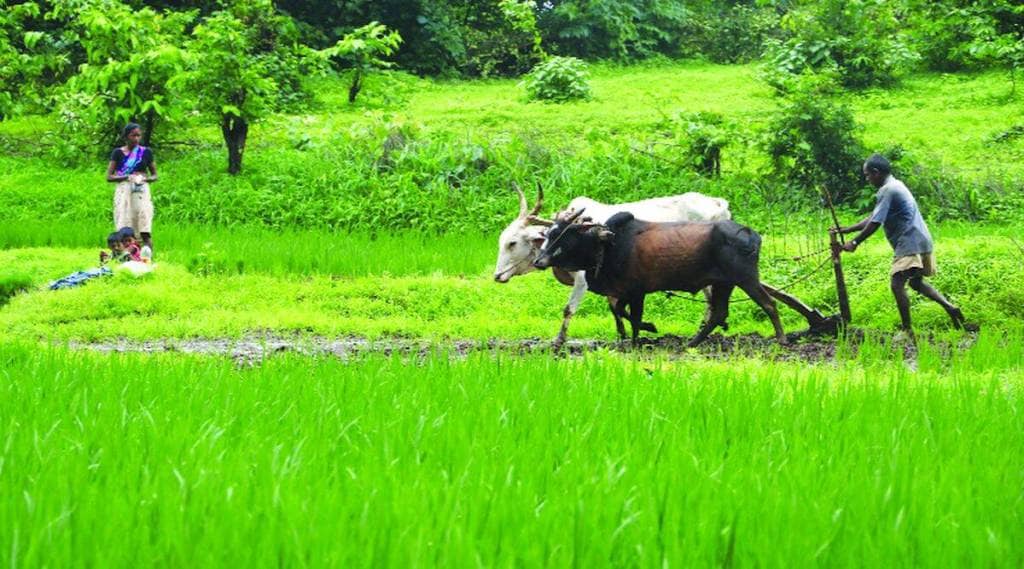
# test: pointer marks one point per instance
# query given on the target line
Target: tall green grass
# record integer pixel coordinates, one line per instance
(178, 461)
(236, 250)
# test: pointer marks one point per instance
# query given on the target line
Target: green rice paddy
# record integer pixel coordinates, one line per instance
(495, 461)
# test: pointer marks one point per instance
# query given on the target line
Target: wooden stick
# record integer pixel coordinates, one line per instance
(837, 267)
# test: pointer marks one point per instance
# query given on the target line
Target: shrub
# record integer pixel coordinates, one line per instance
(705, 135)
(812, 143)
(12, 284)
(363, 51)
(558, 79)
(132, 55)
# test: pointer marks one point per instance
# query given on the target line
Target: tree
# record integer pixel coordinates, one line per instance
(998, 33)
(862, 40)
(362, 50)
(244, 61)
(131, 57)
(30, 59)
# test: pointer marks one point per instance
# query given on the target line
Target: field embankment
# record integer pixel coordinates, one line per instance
(212, 294)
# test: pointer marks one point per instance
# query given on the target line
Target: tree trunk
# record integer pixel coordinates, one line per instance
(235, 129)
(711, 162)
(148, 124)
(356, 86)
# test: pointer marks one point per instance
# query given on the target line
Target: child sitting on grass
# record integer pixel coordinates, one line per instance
(132, 248)
(117, 253)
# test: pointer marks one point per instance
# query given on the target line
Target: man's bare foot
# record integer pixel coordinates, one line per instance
(960, 323)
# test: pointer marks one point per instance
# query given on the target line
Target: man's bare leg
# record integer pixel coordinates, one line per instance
(928, 291)
(898, 284)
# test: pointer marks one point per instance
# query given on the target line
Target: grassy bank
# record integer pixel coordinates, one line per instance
(600, 462)
(439, 156)
(351, 291)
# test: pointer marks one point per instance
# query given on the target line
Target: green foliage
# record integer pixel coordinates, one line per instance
(559, 79)
(812, 143)
(13, 281)
(363, 51)
(960, 34)
(615, 29)
(448, 170)
(706, 135)
(131, 57)
(860, 40)
(501, 40)
(30, 60)
(736, 33)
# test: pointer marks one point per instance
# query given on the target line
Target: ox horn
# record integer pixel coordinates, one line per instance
(540, 201)
(522, 201)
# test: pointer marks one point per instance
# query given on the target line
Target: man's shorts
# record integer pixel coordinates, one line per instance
(923, 261)
(133, 208)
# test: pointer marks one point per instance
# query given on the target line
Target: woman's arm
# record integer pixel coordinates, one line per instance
(110, 173)
(152, 172)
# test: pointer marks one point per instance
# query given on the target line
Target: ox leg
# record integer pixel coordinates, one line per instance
(758, 294)
(707, 308)
(623, 311)
(579, 288)
(613, 305)
(636, 304)
(815, 319)
(717, 314)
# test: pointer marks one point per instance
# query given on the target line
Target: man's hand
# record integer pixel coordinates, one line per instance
(850, 246)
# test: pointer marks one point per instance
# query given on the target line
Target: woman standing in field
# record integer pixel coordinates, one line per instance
(132, 167)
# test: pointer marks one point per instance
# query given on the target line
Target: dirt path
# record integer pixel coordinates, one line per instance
(253, 349)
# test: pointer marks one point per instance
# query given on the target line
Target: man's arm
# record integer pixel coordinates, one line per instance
(871, 223)
(855, 227)
(868, 229)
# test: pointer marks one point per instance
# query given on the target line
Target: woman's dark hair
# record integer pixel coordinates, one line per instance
(128, 128)
(126, 232)
(879, 164)
(113, 239)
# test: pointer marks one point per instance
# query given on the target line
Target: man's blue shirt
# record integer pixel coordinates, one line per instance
(897, 211)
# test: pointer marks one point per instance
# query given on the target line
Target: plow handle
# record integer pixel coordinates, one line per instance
(837, 267)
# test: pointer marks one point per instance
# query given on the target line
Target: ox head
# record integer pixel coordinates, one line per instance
(573, 243)
(520, 242)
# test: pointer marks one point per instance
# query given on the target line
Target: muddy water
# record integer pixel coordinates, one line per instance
(253, 349)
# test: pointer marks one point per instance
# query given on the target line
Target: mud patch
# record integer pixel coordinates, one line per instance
(253, 349)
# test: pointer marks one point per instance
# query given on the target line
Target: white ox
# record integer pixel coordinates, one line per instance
(520, 242)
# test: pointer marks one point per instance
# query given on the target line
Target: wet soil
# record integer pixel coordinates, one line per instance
(253, 349)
